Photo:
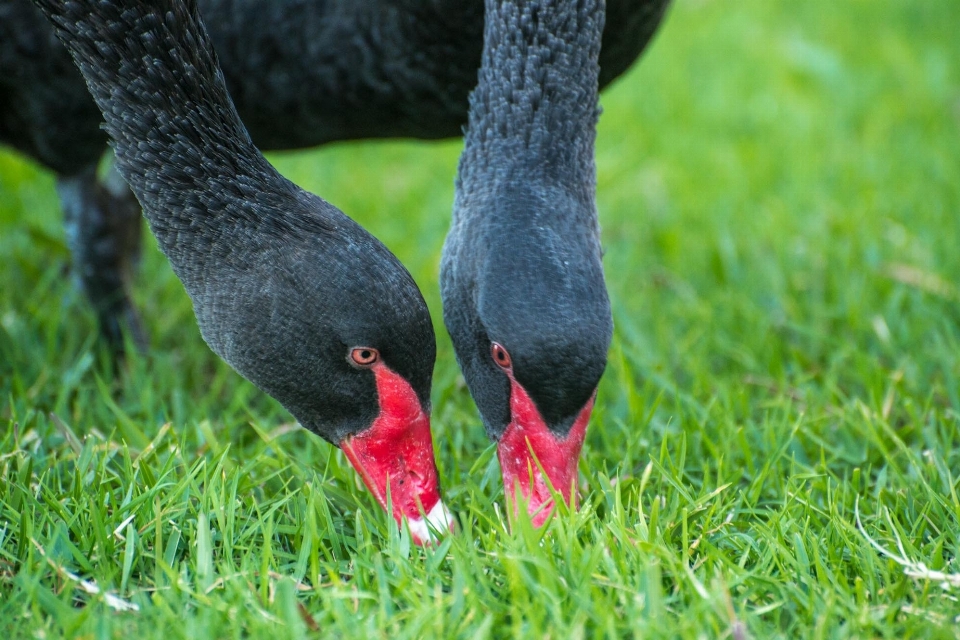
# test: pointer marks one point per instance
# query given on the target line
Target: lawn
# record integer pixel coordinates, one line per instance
(775, 451)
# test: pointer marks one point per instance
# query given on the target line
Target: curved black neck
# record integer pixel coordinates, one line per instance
(536, 100)
(179, 142)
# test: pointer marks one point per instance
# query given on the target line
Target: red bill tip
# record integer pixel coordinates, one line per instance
(397, 450)
(526, 437)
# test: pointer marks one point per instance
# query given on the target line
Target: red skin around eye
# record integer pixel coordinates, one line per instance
(364, 356)
(501, 357)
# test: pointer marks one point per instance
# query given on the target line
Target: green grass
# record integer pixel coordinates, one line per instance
(779, 187)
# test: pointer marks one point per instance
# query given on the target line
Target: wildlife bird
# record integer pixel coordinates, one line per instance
(522, 283)
(292, 293)
(301, 73)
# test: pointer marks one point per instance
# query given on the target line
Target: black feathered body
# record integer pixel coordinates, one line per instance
(45, 108)
(301, 72)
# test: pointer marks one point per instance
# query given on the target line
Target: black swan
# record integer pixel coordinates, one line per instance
(288, 290)
(300, 72)
(522, 282)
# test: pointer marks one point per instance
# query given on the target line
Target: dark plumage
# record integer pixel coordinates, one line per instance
(522, 280)
(283, 284)
(301, 72)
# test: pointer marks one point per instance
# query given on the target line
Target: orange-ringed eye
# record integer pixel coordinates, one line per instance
(500, 356)
(364, 356)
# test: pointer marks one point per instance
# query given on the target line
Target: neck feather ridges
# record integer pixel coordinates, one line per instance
(535, 106)
(179, 142)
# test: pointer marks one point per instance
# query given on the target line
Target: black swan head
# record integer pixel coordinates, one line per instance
(329, 323)
(288, 290)
(522, 281)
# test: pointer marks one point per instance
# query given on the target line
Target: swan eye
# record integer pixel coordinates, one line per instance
(364, 356)
(500, 356)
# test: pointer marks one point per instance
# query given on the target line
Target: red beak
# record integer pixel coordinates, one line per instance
(528, 449)
(397, 452)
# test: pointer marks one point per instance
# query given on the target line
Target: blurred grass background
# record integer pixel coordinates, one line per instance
(779, 189)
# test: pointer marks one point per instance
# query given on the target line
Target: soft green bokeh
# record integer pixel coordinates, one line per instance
(779, 188)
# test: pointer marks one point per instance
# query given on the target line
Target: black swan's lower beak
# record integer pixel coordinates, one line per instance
(533, 459)
(395, 459)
